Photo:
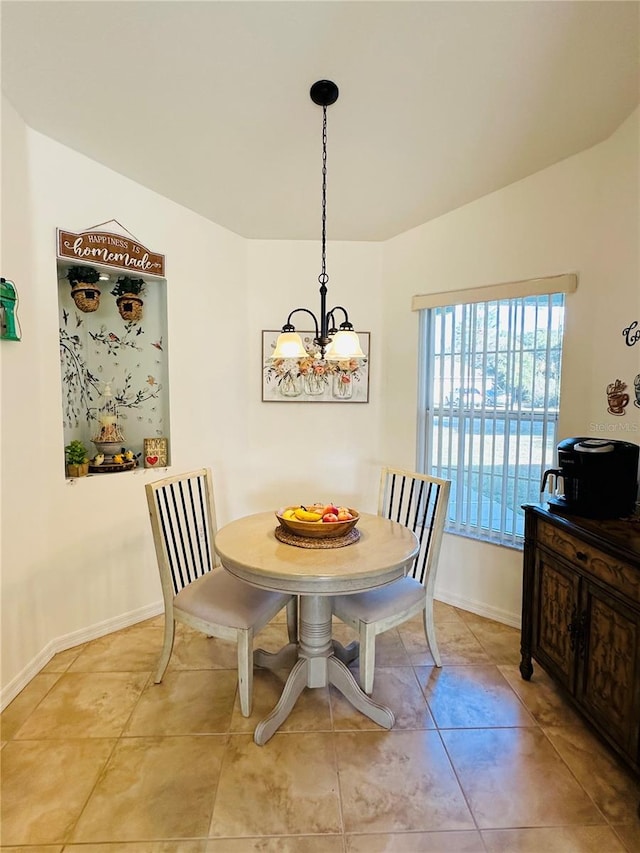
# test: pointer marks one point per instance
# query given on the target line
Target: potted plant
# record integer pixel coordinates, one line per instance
(128, 297)
(77, 459)
(84, 290)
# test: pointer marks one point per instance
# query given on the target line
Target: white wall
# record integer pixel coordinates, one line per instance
(581, 216)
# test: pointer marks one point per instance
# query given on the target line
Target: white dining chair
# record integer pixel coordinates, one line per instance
(197, 590)
(420, 503)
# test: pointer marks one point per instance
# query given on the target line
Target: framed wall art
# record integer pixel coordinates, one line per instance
(156, 453)
(309, 380)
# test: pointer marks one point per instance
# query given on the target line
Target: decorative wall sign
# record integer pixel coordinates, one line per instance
(100, 246)
(617, 398)
(309, 380)
(156, 454)
(106, 344)
(636, 385)
(631, 334)
(9, 323)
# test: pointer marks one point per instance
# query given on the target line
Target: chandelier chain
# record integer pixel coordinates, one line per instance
(323, 278)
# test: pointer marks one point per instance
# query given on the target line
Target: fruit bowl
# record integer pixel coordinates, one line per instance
(317, 529)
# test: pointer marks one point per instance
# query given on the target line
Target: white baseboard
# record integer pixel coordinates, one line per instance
(480, 608)
(75, 638)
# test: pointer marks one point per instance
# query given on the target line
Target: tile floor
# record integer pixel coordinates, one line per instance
(98, 759)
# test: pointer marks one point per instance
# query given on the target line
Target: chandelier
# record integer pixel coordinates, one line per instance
(334, 343)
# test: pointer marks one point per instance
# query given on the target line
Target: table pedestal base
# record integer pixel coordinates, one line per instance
(319, 662)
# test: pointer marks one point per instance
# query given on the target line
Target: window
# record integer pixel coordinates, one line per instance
(490, 393)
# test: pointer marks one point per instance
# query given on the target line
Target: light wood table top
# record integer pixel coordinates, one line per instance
(249, 549)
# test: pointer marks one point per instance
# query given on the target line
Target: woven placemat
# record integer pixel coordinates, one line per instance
(307, 542)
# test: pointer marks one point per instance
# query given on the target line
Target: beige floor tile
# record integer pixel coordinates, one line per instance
(557, 839)
(417, 842)
(542, 697)
(413, 639)
(446, 612)
(396, 781)
(513, 777)
(278, 844)
(154, 788)
(45, 785)
(288, 786)
(40, 848)
(611, 786)
(194, 650)
(390, 650)
(500, 642)
(85, 704)
(531, 789)
(342, 632)
(181, 846)
(311, 712)
(456, 643)
(629, 835)
(272, 637)
(61, 661)
(17, 712)
(471, 697)
(398, 689)
(134, 649)
(189, 702)
(154, 622)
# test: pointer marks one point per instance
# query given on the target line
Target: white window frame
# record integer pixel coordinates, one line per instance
(497, 517)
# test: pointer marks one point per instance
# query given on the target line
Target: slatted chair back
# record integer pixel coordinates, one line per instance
(419, 502)
(183, 521)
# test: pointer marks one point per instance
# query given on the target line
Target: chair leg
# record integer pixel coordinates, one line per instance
(292, 619)
(430, 632)
(167, 647)
(245, 670)
(367, 663)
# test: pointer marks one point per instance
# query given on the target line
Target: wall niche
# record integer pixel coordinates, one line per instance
(112, 305)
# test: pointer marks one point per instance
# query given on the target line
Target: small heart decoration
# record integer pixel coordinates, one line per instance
(152, 460)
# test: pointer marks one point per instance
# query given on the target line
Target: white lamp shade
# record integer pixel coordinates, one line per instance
(344, 345)
(289, 345)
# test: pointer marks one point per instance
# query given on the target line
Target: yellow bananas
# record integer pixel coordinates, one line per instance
(303, 514)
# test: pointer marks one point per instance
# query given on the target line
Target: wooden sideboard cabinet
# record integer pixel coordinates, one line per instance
(581, 618)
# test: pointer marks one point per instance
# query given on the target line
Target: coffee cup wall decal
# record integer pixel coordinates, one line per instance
(631, 334)
(616, 397)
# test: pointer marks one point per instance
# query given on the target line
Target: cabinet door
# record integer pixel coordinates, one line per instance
(608, 686)
(556, 618)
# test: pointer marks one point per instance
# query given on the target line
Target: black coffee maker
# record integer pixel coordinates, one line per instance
(599, 478)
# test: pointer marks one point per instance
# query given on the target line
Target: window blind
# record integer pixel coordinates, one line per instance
(491, 374)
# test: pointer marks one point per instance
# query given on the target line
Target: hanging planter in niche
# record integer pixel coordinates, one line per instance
(128, 292)
(84, 290)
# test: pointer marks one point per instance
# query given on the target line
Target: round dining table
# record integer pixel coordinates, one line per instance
(250, 549)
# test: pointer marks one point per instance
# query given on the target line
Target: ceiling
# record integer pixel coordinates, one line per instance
(207, 103)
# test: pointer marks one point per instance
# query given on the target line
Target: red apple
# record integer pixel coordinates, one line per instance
(344, 515)
(330, 508)
(330, 516)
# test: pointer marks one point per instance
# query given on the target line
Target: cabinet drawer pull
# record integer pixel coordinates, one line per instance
(580, 555)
